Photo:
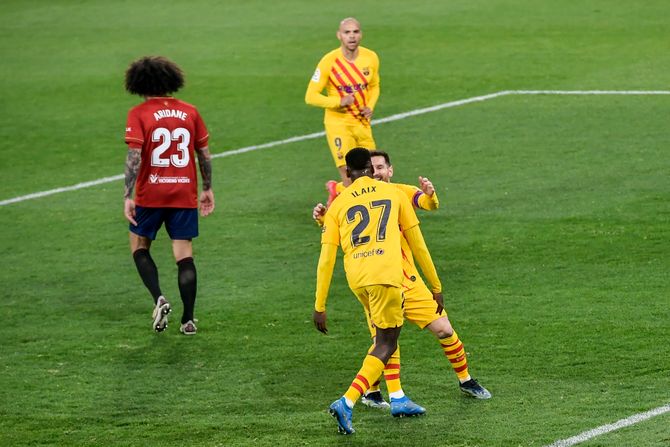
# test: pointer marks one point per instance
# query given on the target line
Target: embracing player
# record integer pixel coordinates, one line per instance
(423, 307)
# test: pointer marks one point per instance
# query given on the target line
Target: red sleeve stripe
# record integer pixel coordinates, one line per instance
(135, 139)
(391, 376)
(363, 380)
(392, 366)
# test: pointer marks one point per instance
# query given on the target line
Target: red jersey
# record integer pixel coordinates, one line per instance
(168, 131)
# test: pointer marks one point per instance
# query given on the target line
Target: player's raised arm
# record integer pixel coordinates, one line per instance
(318, 213)
(427, 198)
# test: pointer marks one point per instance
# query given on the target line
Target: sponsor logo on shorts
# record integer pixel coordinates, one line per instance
(155, 178)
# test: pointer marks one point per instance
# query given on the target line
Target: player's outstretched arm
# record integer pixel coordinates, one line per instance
(428, 200)
(207, 195)
(318, 213)
(133, 160)
(324, 274)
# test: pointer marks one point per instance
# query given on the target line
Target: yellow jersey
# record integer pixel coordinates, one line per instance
(366, 221)
(419, 199)
(340, 77)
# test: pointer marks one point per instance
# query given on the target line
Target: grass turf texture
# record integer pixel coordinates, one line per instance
(552, 239)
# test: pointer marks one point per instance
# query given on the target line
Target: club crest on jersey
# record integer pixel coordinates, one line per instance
(366, 71)
(153, 178)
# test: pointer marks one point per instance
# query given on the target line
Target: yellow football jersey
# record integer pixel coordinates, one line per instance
(340, 77)
(411, 277)
(366, 220)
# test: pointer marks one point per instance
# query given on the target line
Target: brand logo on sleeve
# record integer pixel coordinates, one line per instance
(316, 77)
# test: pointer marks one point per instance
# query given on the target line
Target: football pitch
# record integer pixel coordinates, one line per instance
(552, 239)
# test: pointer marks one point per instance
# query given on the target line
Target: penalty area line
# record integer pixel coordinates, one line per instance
(603, 429)
(311, 136)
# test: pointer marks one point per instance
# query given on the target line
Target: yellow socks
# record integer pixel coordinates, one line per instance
(369, 373)
(455, 352)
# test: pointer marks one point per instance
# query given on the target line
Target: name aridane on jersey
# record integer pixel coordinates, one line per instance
(365, 221)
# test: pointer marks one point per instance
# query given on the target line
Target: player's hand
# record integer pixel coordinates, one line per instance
(426, 186)
(318, 213)
(347, 100)
(320, 321)
(206, 203)
(439, 298)
(129, 211)
(367, 113)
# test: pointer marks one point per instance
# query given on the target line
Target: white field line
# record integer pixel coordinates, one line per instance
(387, 119)
(631, 420)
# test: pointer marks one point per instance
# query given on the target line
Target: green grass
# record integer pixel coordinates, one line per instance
(552, 239)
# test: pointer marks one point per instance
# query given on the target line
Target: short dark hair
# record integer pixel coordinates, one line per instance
(381, 154)
(358, 159)
(153, 76)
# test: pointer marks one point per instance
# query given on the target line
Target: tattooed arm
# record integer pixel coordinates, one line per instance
(207, 195)
(133, 160)
(205, 163)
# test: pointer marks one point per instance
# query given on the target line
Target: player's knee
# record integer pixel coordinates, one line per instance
(386, 348)
(441, 328)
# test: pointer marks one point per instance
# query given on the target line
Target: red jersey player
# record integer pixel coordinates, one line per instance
(164, 135)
